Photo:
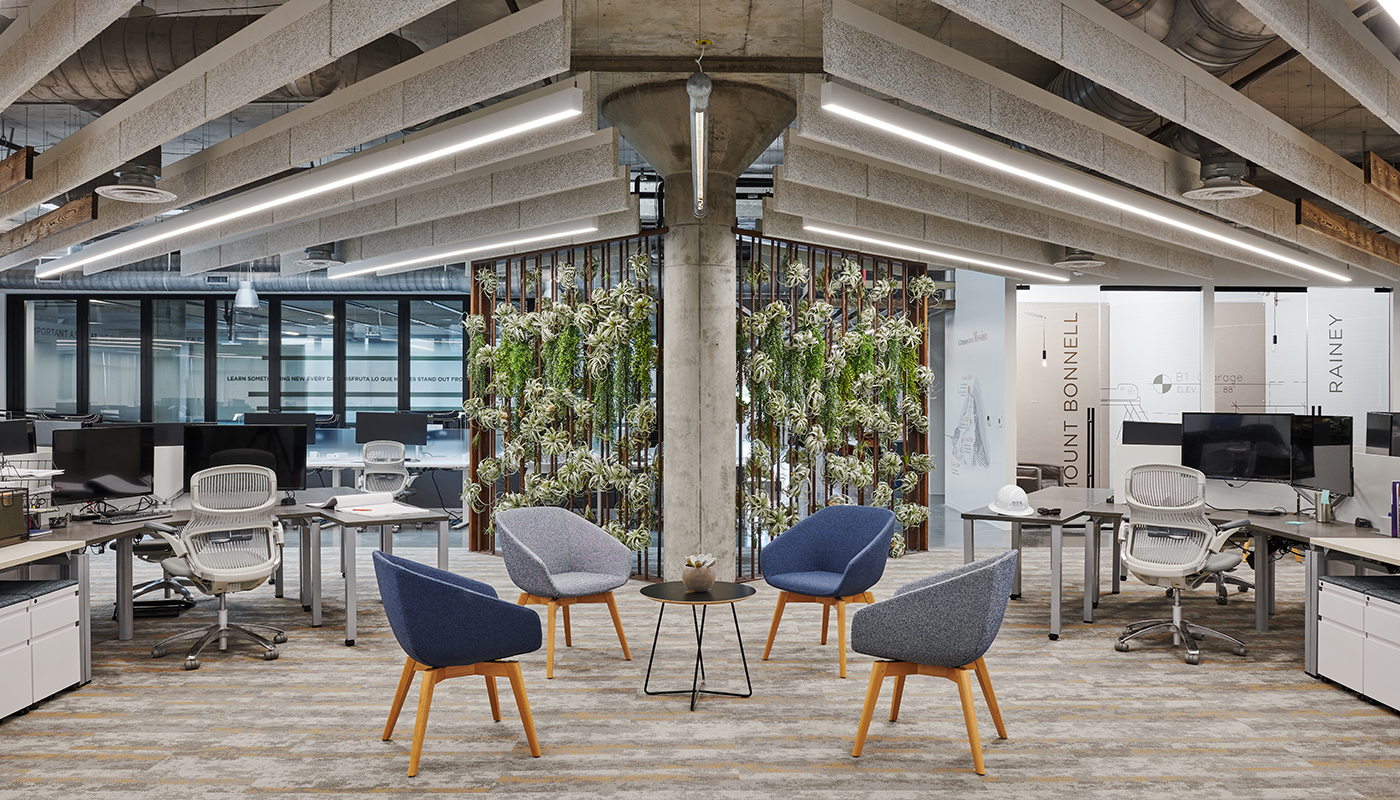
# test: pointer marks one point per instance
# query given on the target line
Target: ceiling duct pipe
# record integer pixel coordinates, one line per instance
(135, 52)
(1217, 35)
(424, 282)
(321, 256)
(136, 181)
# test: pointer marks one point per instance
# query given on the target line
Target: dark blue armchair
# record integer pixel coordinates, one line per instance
(451, 626)
(942, 626)
(832, 558)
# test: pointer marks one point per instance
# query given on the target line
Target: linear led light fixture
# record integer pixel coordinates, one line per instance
(413, 151)
(908, 125)
(429, 256)
(698, 86)
(859, 235)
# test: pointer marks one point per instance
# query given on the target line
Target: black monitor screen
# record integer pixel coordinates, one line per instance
(374, 426)
(281, 448)
(16, 437)
(103, 463)
(1255, 447)
(269, 418)
(1161, 433)
(1322, 453)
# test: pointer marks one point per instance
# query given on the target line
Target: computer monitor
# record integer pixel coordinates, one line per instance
(1322, 453)
(1159, 433)
(103, 463)
(373, 426)
(16, 437)
(1246, 447)
(281, 448)
(271, 418)
(1383, 433)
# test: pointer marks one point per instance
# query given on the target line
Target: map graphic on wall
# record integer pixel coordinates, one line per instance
(969, 448)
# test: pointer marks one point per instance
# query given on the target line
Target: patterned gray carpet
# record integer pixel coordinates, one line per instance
(1083, 719)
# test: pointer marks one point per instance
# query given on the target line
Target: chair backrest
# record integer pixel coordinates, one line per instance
(231, 534)
(558, 536)
(384, 467)
(1167, 531)
(442, 619)
(834, 535)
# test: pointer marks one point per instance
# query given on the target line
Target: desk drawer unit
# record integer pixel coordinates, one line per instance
(40, 641)
(1358, 635)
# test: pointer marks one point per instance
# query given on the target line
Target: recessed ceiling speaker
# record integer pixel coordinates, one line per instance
(136, 183)
(1223, 174)
(1079, 259)
(321, 256)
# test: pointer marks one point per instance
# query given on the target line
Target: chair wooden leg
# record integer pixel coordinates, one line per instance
(617, 623)
(549, 648)
(898, 696)
(495, 701)
(985, 681)
(872, 695)
(964, 682)
(869, 598)
(841, 632)
(405, 681)
(420, 725)
(777, 617)
(522, 703)
(523, 598)
(568, 633)
(826, 615)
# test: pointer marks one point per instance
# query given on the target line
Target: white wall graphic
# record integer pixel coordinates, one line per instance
(1055, 391)
(1348, 343)
(976, 411)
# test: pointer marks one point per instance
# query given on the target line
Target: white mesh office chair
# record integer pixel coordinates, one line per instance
(232, 543)
(1168, 540)
(384, 468)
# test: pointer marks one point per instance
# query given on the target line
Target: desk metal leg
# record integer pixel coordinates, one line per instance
(313, 561)
(386, 539)
(1117, 556)
(278, 583)
(304, 562)
(1263, 585)
(968, 556)
(78, 570)
(1057, 547)
(1091, 573)
(347, 550)
(124, 609)
(1314, 567)
(442, 545)
(1016, 545)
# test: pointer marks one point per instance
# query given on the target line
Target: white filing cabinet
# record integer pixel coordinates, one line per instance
(1358, 635)
(40, 641)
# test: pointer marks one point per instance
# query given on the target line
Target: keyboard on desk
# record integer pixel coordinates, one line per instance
(131, 516)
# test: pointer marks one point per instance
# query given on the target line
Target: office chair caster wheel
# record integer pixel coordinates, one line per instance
(158, 652)
(191, 663)
(1239, 650)
(270, 655)
(1220, 601)
(1241, 589)
(280, 638)
(306, 608)
(1121, 647)
(349, 642)
(1193, 659)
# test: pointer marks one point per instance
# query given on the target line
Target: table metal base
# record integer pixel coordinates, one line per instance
(697, 682)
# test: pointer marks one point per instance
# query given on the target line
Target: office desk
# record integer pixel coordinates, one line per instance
(1073, 503)
(335, 465)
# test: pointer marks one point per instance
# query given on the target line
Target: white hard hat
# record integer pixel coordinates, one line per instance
(1011, 500)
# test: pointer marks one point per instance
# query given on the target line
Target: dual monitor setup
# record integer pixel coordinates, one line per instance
(1306, 451)
(109, 462)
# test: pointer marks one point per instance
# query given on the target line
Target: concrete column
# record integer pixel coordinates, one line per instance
(699, 285)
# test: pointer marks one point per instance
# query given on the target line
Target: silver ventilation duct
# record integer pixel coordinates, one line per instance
(321, 256)
(136, 181)
(1079, 259)
(425, 282)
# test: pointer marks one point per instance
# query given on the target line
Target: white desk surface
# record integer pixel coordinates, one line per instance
(25, 552)
(1382, 549)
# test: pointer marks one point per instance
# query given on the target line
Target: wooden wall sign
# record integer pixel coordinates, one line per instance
(1347, 232)
(17, 170)
(1380, 175)
(79, 212)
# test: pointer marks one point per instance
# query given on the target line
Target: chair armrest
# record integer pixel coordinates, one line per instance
(1225, 532)
(450, 625)
(939, 624)
(940, 577)
(612, 557)
(1232, 524)
(174, 541)
(784, 554)
(527, 570)
(865, 570)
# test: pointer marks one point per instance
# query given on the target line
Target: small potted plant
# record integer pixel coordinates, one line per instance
(699, 573)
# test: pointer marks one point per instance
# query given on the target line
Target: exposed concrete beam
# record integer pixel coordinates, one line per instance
(686, 64)
(1095, 42)
(559, 169)
(1332, 39)
(45, 33)
(503, 56)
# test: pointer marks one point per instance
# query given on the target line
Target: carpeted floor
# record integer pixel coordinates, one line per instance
(1083, 720)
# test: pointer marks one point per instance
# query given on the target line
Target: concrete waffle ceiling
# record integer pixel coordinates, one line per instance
(1310, 102)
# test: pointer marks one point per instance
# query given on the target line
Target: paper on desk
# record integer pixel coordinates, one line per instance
(344, 501)
(379, 510)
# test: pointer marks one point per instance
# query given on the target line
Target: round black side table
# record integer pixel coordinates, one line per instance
(673, 592)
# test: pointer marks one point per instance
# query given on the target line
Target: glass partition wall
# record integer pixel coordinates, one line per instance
(191, 359)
